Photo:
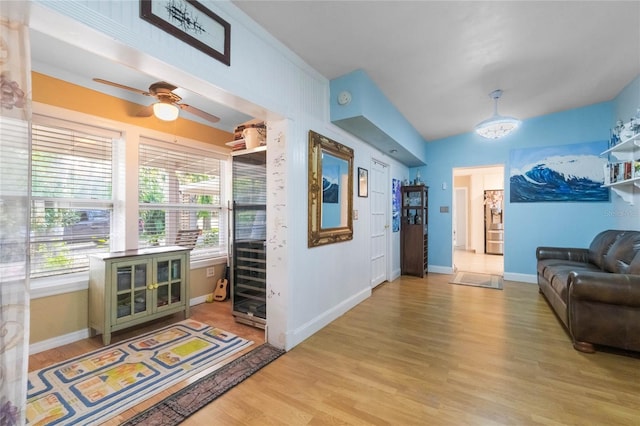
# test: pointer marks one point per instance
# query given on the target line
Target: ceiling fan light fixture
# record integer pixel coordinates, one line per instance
(497, 126)
(166, 111)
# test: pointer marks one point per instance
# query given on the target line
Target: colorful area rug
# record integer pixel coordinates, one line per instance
(478, 280)
(105, 382)
(177, 407)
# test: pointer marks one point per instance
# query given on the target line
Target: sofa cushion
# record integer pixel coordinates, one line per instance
(623, 251)
(601, 244)
(634, 267)
(558, 275)
(548, 267)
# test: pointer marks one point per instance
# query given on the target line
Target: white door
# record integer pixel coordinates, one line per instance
(460, 215)
(379, 188)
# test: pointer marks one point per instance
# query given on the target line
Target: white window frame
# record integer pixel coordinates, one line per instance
(223, 220)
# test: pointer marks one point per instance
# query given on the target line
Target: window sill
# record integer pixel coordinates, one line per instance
(51, 286)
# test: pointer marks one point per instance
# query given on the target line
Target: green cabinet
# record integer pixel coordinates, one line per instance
(135, 286)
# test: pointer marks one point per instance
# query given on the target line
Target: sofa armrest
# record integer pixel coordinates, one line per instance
(563, 253)
(605, 287)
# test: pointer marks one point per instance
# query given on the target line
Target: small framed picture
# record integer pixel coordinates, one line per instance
(363, 182)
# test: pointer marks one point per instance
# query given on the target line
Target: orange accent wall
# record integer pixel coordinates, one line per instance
(52, 91)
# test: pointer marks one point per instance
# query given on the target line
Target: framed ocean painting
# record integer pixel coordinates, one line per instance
(572, 172)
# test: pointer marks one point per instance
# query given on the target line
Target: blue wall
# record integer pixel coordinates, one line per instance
(527, 225)
(373, 118)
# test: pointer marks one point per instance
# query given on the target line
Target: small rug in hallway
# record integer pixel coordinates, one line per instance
(177, 407)
(478, 280)
(105, 382)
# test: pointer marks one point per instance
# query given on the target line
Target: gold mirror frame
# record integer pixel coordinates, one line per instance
(320, 146)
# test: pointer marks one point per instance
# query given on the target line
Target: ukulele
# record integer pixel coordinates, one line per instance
(220, 293)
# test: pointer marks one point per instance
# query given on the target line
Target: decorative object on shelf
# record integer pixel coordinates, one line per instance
(615, 134)
(329, 222)
(248, 135)
(497, 126)
(254, 136)
(558, 173)
(192, 23)
(363, 182)
(418, 179)
(396, 199)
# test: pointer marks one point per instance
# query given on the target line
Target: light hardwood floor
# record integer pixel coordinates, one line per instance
(423, 351)
(481, 263)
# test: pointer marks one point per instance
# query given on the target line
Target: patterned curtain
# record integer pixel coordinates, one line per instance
(15, 122)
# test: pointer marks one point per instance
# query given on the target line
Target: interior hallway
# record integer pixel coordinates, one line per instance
(468, 261)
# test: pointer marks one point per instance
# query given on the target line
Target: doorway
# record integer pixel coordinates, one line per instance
(469, 213)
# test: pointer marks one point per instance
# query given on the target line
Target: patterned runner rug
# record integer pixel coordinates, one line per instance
(478, 280)
(105, 382)
(177, 407)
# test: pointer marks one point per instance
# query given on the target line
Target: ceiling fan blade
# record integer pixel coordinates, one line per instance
(146, 111)
(199, 113)
(122, 86)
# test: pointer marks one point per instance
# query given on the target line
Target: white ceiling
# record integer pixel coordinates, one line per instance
(436, 61)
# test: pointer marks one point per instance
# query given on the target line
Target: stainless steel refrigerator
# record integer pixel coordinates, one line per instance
(494, 221)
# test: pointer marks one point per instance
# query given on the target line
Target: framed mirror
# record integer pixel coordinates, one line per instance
(330, 191)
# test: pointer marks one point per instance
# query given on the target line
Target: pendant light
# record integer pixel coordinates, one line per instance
(498, 125)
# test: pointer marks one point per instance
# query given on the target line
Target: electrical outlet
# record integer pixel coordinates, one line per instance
(210, 272)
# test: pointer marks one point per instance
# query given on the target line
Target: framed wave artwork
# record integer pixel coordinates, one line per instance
(572, 172)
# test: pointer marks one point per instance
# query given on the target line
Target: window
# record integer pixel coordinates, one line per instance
(71, 189)
(180, 189)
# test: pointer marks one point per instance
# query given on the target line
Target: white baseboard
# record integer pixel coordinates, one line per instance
(298, 335)
(395, 275)
(54, 342)
(523, 278)
(200, 299)
(440, 269)
(509, 276)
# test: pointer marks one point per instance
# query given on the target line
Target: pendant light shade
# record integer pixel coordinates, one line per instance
(165, 111)
(498, 125)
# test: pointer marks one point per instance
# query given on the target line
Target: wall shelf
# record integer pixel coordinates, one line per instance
(627, 151)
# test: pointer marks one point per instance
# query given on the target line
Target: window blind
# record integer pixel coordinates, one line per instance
(72, 203)
(181, 188)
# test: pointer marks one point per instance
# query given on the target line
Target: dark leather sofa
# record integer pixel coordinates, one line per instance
(595, 291)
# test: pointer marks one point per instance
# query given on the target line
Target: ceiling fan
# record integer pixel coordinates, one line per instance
(167, 106)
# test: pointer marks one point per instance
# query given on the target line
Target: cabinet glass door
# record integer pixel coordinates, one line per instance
(169, 282)
(131, 290)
